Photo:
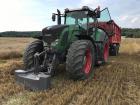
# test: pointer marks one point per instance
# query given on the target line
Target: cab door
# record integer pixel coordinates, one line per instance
(105, 22)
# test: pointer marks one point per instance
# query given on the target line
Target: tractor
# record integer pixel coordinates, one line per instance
(85, 39)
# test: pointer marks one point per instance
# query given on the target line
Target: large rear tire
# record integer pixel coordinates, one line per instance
(28, 57)
(80, 59)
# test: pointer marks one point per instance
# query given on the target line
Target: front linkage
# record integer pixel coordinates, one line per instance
(39, 76)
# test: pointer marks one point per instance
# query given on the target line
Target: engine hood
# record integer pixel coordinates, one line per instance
(52, 33)
(53, 30)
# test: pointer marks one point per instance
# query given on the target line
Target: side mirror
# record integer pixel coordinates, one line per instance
(53, 17)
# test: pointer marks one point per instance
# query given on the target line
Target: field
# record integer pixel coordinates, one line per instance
(115, 83)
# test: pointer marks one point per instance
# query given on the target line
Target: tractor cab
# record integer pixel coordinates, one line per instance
(79, 17)
(76, 22)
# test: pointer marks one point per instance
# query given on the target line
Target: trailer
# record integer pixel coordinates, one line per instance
(106, 23)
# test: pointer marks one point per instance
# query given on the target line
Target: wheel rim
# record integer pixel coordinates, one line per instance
(88, 61)
(106, 52)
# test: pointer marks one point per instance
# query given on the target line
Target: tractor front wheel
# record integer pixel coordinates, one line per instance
(28, 57)
(80, 59)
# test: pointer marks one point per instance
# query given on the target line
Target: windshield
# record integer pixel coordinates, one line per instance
(76, 17)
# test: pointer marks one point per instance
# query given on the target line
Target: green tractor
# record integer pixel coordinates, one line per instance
(78, 43)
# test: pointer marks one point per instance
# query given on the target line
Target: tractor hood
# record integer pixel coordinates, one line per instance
(51, 33)
(53, 30)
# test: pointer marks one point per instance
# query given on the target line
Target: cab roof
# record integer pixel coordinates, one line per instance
(84, 8)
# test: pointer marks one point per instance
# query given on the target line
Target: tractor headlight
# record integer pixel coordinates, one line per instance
(53, 44)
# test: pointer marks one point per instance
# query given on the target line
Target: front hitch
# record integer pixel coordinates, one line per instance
(38, 77)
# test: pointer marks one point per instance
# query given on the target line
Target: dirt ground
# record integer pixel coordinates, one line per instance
(115, 83)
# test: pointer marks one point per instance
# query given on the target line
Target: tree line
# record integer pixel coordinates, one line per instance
(20, 34)
(127, 32)
(131, 32)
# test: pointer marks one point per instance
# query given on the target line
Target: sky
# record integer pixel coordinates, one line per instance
(33, 15)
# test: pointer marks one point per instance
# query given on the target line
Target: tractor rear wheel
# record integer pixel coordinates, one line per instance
(80, 59)
(28, 57)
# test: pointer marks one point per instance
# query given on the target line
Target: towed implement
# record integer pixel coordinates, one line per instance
(85, 39)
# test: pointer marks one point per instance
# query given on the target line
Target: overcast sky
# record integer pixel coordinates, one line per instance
(26, 15)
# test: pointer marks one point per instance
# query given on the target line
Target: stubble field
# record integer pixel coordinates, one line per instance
(115, 83)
